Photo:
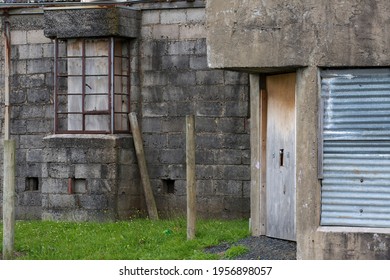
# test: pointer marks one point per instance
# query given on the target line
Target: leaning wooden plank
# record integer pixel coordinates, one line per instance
(139, 150)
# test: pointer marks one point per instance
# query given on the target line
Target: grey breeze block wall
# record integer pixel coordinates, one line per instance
(175, 82)
(170, 79)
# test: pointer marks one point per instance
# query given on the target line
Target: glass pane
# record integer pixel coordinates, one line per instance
(75, 122)
(75, 85)
(121, 104)
(120, 85)
(97, 123)
(96, 66)
(62, 49)
(96, 103)
(62, 120)
(62, 85)
(62, 104)
(98, 84)
(75, 47)
(75, 66)
(62, 66)
(121, 66)
(96, 47)
(121, 122)
(75, 104)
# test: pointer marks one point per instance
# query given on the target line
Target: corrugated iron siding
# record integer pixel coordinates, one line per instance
(356, 147)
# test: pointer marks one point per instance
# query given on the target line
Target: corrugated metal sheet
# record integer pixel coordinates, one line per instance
(356, 147)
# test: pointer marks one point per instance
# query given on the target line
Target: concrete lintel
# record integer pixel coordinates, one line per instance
(76, 22)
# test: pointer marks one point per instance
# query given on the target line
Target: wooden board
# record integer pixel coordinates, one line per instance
(280, 156)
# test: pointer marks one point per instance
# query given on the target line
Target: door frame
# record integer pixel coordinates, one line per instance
(258, 142)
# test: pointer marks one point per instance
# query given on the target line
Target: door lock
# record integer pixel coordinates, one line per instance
(281, 157)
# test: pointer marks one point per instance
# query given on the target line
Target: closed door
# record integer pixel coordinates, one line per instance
(280, 173)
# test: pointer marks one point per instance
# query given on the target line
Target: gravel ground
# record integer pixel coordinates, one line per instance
(260, 248)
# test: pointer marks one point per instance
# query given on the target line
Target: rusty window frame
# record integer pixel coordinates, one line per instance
(111, 90)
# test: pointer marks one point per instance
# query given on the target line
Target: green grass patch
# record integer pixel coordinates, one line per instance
(235, 251)
(139, 239)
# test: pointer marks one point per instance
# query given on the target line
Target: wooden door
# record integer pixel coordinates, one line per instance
(280, 171)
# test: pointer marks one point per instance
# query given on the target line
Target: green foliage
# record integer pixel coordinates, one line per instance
(235, 251)
(137, 239)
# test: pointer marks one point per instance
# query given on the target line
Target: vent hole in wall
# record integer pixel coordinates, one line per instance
(168, 186)
(32, 184)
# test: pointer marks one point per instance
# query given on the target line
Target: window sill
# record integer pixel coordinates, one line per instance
(337, 229)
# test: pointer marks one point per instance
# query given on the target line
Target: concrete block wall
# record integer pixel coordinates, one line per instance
(103, 173)
(175, 82)
(169, 80)
(32, 107)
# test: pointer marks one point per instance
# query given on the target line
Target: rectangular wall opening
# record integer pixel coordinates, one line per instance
(168, 186)
(32, 184)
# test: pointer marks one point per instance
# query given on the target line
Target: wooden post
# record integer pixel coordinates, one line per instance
(9, 199)
(9, 156)
(256, 163)
(191, 179)
(139, 150)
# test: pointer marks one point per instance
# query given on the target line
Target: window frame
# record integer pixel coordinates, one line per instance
(110, 89)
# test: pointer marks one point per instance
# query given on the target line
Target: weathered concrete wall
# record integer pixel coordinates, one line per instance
(105, 178)
(303, 36)
(175, 82)
(297, 33)
(169, 80)
(91, 22)
(32, 106)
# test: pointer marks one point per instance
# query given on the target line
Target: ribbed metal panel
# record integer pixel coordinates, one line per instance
(356, 148)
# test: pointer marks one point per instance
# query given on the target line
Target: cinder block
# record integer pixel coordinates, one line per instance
(192, 31)
(236, 78)
(38, 95)
(150, 17)
(178, 93)
(236, 172)
(175, 62)
(182, 47)
(232, 125)
(198, 62)
(228, 188)
(39, 125)
(170, 31)
(172, 156)
(54, 186)
(172, 16)
(150, 125)
(56, 155)
(86, 171)
(152, 94)
(155, 109)
(155, 141)
(196, 15)
(30, 51)
(151, 78)
(182, 78)
(60, 170)
(34, 155)
(37, 37)
(209, 109)
(18, 37)
(174, 124)
(35, 66)
(211, 77)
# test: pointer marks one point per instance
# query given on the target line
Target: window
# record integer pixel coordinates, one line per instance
(92, 85)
